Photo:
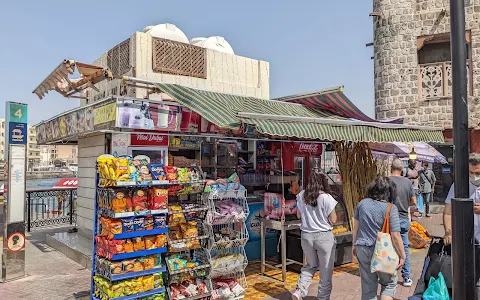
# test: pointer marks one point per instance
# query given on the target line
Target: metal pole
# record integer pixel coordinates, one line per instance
(462, 207)
(29, 210)
(71, 207)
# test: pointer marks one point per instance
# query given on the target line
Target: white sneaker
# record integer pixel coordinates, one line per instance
(407, 282)
(297, 295)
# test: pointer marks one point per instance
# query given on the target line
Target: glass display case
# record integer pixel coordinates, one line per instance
(342, 224)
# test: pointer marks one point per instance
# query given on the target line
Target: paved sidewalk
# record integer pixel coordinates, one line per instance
(346, 285)
(51, 275)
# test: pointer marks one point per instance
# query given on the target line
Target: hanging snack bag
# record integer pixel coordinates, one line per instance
(157, 280)
(183, 175)
(160, 222)
(128, 246)
(148, 223)
(150, 242)
(175, 233)
(161, 241)
(122, 169)
(171, 173)
(138, 265)
(139, 224)
(157, 171)
(128, 265)
(128, 225)
(158, 199)
(138, 244)
(115, 227)
(189, 230)
(148, 262)
(148, 283)
(139, 201)
(119, 203)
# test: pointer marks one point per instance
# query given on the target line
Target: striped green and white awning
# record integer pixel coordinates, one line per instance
(353, 133)
(224, 110)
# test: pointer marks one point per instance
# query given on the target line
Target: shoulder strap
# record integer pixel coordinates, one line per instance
(386, 222)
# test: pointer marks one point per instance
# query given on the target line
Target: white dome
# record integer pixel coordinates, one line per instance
(214, 42)
(168, 32)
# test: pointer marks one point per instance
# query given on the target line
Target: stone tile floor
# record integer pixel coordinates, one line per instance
(50, 274)
(53, 276)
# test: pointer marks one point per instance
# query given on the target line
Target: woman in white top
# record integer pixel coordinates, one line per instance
(316, 209)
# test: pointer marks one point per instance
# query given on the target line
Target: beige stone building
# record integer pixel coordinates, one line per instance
(55, 154)
(413, 63)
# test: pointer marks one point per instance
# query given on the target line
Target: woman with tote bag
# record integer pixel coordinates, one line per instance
(376, 219)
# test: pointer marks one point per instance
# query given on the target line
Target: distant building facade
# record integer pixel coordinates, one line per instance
(413, 63)
(58, 155)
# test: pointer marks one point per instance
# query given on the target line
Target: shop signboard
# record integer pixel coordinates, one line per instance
(148, 116)
(152, 140)
(120, 143)
(311, 148)
(105, 116)
(75, 122)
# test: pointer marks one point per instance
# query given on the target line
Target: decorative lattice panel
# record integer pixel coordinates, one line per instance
(436, 80)
(179, 58)
(118, 58)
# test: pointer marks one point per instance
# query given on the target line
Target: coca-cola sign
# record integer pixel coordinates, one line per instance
(308, 147)
(148, 140)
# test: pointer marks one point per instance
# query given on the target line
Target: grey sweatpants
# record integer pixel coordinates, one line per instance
(371, 280)
(319, 250)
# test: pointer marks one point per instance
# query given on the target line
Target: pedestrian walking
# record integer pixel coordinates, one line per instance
(369, 217)
(474, 168)
(405, 197)
(427, 187)
(316, 209)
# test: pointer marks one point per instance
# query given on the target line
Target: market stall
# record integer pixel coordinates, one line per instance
(262, 144)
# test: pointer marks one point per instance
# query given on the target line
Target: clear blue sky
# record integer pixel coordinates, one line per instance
(310, 44)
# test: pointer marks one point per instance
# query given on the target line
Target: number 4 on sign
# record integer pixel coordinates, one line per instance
(18, 113)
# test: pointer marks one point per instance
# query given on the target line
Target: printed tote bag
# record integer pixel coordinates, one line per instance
(385, 258)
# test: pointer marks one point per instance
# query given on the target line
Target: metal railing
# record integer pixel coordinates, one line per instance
(50, 207)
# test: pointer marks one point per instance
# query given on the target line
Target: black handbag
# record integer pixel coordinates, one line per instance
(439, 259)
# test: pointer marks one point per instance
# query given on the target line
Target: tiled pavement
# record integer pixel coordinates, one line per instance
(53, 276)
(346, 281)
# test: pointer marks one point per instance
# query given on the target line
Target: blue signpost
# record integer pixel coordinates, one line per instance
(12, 229)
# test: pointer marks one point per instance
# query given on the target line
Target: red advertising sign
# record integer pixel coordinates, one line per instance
(149, 140)
(308, 148)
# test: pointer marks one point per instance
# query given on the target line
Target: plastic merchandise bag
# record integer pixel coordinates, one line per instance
(437, 289)
(420, 204)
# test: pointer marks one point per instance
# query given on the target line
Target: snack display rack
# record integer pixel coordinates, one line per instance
(188, 259)
(193, 266)
(228, 211)
(118, 273)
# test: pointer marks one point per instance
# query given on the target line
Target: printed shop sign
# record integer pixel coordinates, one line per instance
(311, 148)
(149, 140)
(105, 116)
(81, 120)
(148, 116)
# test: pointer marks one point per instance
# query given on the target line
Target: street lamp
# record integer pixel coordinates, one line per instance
(413, 154)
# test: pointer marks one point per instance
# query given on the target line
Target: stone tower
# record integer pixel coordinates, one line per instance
(412, 62)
